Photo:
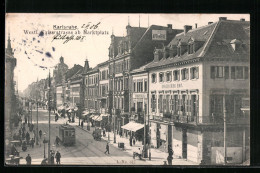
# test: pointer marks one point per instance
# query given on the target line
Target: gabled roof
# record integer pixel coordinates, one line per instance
(212, 37)
(141, 69)
(94, 70)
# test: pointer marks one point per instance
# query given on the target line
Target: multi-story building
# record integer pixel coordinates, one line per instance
(75, 84)
(92, 89)
(194, 82)
(10, 111)
(104, 95)
(131, 52)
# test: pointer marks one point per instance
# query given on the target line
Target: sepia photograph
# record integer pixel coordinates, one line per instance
(134, 89)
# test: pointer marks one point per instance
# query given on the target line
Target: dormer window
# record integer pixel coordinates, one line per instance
(179, 51)
(191, 46)
(235, 44)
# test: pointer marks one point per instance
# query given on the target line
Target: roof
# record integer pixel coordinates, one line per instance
(73, 71)
(141, 69)
(212, 40)
(94, 70)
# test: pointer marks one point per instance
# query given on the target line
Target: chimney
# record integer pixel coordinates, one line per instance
(86, 66)
(210, 23)
(187, 28)
(169, 26)
(222, 18)
(196, 25)
(156, 55)
(242, 19)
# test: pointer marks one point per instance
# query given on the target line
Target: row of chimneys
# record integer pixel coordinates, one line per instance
(188, 27)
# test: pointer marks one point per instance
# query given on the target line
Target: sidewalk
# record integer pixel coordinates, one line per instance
(157, 156)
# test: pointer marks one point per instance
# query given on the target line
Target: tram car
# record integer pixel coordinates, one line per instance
(67, 135)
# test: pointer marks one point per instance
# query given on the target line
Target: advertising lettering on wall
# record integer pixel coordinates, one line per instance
(158, 34)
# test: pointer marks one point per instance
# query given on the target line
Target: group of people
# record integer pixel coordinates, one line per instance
(45, 160)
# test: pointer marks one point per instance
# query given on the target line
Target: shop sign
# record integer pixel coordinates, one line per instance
(158, 34)
(172, 85)
(140, 95)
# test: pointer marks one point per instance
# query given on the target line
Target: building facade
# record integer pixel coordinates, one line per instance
(129, 53)
(195, 81)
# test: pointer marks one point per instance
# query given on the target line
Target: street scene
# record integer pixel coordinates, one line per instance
(150, 89)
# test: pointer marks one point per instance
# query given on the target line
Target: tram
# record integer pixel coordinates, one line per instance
(67, 135)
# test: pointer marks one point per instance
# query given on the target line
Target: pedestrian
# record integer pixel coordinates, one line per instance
(28, 159)
(82, 124)
(58, 156)
(27, 138)
(23, 135)
(32, 142)
(107, 149)
(130, 140)
(104, 132)
(169, 159)
(52, 158)
(40, 133)
(134, 140)
(57, 141)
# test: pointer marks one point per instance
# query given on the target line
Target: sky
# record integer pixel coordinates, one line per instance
(37, 52)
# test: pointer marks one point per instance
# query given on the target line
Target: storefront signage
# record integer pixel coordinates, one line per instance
(158, 34)
(172, 86)
(140, 96)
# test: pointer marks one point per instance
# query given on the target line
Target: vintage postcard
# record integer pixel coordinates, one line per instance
(127, 89)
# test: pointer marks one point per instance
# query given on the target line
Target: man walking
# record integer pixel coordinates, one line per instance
(40, 133)
(28, 159)
(27, 138)
(58, 156)
(107, 149)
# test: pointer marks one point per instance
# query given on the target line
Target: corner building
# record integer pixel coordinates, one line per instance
(191, 80)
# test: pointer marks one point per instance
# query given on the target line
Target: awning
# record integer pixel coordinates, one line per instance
(99, 118)
(133, 126)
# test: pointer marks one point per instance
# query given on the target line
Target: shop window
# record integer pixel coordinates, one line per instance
(185, 74)
(176, 75)
(154, 78)
(169, 76)
(161, 75)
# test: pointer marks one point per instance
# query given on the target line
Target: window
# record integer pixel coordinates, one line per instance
(239, 72)
(179, 51)
(153, 103)
(145, 86)
(176, 75)
(194, 72)
(140, 86)
(154, 78)
(169, 76)
(184, 74)
(191, 48)
(161, 75)
(219, 72)
(134, 86)
(160, 103)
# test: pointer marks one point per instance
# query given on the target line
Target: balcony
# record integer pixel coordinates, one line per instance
(204, 120)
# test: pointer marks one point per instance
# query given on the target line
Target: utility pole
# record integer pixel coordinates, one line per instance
(31, 112)
(114, 110)
(37, 139)
(225, 129)
(49, 161)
